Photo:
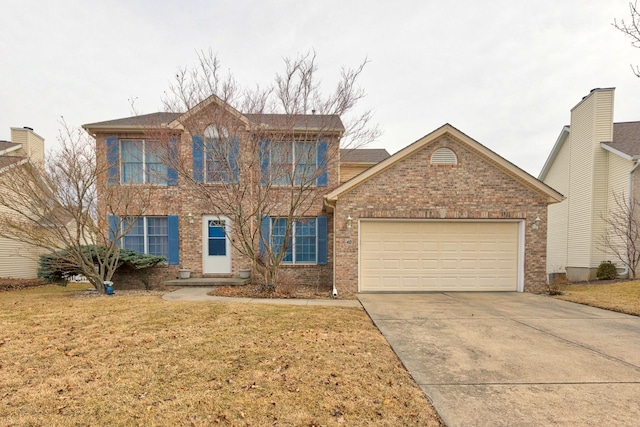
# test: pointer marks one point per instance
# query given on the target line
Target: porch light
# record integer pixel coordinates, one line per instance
(190, 218)
(536, 223)
(349, 221)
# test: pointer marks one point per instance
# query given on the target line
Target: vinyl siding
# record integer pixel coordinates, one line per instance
(580, 185)
(349, 171)
(32, 144)
(591, 123)
(18, 260)
(558, 179)
(619, 169)
(603, 131)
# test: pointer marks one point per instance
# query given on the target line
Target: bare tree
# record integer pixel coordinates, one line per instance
(632, 29)
(622, 235)
(283, 123)
(55, 208)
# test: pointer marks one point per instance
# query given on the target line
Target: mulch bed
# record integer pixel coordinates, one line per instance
(257, 291)
(10, 284)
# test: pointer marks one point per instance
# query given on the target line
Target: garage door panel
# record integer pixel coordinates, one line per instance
(439, 256)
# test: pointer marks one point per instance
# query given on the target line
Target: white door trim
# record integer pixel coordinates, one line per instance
(217, 264)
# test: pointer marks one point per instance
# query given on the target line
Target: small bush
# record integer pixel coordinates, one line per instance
(58, 266)
(557, 282)
(607, 271)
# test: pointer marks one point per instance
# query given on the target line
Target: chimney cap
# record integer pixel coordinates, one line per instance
(28, 128)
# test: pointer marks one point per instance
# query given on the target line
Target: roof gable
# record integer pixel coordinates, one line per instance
(626, 140)
(508, 167)
(626, 144)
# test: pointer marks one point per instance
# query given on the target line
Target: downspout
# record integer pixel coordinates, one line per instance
(635, 166)
(334, 291)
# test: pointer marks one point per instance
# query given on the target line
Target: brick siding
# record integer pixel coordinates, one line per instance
(476, 188)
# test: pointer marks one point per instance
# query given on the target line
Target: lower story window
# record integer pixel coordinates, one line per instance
(153, 235)
(148, 235)
(307, 241)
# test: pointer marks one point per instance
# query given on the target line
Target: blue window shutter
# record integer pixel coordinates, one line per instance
(323, 177)
(172, 173)
(112, 160)
(114, 229)
(174, 246)
(264, 161)
(198, 159)
(234, 158)
(322, 240)
(265, 226)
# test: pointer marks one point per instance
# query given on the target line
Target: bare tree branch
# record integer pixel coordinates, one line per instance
(56, 208)
(631, 28)
(622, 234)
(294, 115)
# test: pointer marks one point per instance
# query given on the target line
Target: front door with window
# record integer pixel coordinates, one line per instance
(216, 247)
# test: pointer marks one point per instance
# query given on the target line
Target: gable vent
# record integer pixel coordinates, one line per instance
(444, 156)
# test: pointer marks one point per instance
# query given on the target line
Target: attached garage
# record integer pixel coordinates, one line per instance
(406, 255)
(443, 214)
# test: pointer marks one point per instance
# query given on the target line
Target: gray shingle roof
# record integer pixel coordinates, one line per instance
(9, 160)
(626, 138)
(144, 120)
(328, 122)
(7, 144)
(293, 121)
(363, 155)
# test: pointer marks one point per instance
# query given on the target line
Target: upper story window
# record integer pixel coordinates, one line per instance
(221, 158)
(140, 161)
(301, 163)
(216, 156)
(444, 156)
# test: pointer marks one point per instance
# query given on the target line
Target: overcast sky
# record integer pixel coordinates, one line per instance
(504, 72)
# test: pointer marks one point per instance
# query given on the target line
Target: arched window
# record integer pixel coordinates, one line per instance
(212, 133)
(444, 156)
(221, 155)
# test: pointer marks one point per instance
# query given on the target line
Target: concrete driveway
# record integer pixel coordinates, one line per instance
(515, 359)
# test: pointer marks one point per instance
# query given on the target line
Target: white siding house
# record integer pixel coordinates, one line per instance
(591, 164)
(18, 259)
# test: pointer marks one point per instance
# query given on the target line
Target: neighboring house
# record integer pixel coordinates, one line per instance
(593, 161)
(18, 259)
(443, 214)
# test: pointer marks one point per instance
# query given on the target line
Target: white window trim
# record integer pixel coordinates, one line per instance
(145, 233)
(292, 164)
(143, 161)
(293, 242)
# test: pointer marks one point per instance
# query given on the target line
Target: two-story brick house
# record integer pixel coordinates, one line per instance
(445, 213)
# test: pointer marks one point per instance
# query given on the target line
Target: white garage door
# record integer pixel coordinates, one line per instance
(438, 256)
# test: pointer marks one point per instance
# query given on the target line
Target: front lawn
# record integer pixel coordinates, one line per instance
(139, 360)
(617, 296)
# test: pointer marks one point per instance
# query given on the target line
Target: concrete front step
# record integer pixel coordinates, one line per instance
(209, 281)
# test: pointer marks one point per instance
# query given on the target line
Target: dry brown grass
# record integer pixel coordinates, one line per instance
(139, 360)
(617, 296)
